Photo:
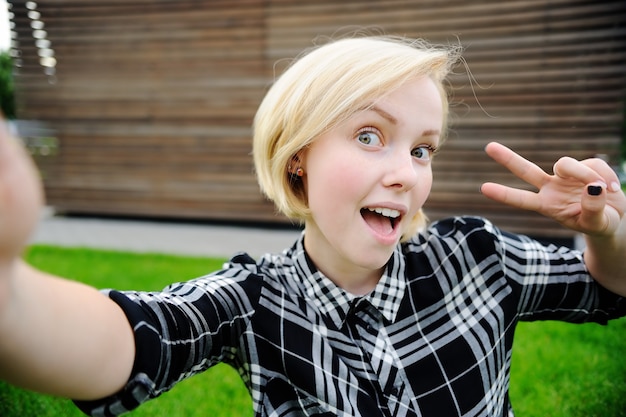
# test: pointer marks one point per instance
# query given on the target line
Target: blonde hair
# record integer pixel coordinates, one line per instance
(325, 87)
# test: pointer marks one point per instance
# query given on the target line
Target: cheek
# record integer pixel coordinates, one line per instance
(333, 181)
(423, 187)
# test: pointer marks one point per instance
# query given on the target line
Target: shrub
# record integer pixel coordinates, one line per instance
(7, 98)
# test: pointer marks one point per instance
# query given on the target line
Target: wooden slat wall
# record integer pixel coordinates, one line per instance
(152, 105)
(153, 99)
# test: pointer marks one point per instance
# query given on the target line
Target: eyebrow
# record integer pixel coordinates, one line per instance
(387, 116)
(431, 132)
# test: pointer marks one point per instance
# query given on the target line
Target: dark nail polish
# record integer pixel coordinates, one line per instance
(594, 190)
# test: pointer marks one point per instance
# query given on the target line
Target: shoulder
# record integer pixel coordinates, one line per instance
(458, 240)
(271, 270)
(463, 225)
(241, 279)
(458, 230)
(237, 283)
(470, 237)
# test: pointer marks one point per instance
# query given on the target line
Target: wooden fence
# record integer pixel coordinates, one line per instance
(152, 101)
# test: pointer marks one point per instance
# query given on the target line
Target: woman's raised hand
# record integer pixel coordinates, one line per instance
(21, 197)
(582, 195)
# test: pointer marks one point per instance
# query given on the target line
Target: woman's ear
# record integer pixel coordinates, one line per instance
(295, 166)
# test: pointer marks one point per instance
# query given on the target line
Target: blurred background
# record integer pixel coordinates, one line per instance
(143, 108)
(5, 35)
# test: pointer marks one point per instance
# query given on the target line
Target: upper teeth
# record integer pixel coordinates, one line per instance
(387, 212)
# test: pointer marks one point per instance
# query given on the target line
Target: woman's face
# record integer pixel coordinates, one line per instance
(366, 179)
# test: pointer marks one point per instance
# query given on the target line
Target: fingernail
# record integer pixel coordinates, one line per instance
(615, 186)
(594, 190)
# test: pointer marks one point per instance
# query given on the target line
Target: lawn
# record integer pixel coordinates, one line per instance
(558, 369)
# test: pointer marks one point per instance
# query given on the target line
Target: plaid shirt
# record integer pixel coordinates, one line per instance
(434, 338)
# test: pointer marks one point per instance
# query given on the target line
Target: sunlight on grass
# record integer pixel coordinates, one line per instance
(559, 369)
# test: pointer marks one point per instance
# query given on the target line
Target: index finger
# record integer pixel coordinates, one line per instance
(518, 165)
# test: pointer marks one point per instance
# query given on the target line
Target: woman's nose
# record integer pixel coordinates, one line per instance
(401, 172)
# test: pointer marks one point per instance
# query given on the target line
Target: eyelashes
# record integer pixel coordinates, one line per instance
(369, 136)
(423, 152)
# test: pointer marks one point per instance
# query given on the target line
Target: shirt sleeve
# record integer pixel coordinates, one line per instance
(181, 331)
(553, 283)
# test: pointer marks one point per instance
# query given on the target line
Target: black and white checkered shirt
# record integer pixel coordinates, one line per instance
(433, 339)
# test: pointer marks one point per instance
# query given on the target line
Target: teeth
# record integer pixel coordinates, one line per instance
(387, 212)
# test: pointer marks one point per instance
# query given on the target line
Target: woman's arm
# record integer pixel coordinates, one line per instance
(56, 336)
(584, 196)
(605, 257)
(62, 337)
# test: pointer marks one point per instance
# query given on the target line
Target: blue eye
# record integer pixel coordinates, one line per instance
(368, 138)
(422, 152)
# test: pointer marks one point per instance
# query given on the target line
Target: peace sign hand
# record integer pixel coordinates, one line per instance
(584, 196)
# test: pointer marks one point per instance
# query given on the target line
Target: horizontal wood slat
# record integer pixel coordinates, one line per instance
(152, 100)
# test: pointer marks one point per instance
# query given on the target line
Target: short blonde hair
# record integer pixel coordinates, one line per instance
(325, 87)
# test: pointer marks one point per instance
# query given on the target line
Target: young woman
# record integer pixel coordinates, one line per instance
(371, 312)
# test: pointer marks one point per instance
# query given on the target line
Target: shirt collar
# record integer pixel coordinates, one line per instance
(334, 301)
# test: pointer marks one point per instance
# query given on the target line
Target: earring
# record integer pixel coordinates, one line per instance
(295, 172)
(294, 169)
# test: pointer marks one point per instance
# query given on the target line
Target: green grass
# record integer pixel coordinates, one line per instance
(562, 369)
(559, 369)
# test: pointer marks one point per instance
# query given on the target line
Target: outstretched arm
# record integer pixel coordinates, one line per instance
(584, 196)
(56, 336)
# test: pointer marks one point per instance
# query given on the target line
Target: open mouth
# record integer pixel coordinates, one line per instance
(382, 220)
